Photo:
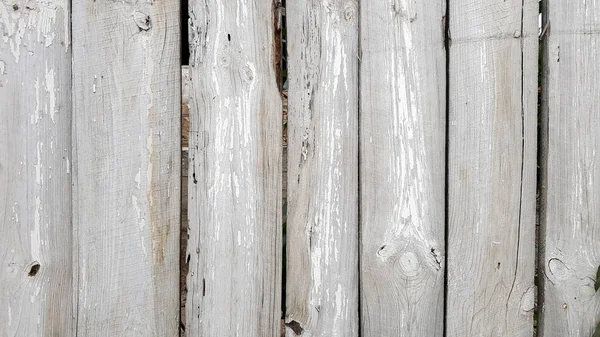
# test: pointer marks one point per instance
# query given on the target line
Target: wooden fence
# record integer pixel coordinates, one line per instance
(415, 150)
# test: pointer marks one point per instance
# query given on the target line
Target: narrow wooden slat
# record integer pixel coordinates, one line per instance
(492, 167)
(570, 215)
(402, 151)
(234, 250)
(322, 220)
(35, 177)
(127, 102)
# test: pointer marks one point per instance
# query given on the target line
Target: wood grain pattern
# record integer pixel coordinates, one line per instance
(35, 169)
(570, 216)
(322, 223)
(402, 164)
(492, 167)
(127, 105)
(234, 279)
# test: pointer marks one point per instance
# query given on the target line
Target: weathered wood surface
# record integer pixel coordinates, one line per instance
(234, 250)
(492, 167)
(35, 176)
(126, 89)
(402, 164)
(322, 219)
(570, 216)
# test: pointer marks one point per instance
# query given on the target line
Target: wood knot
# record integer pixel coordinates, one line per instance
(295, 327)
(35, 268)
(142, 20)
(248, 72)
(349, 12)
(409, 263)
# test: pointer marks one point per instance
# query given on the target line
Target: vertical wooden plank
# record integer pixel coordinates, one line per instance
(127, 142)
(234, 280)
(402, 164)
(35, 178)
(570, 216)
(322, 224)
(492, 167)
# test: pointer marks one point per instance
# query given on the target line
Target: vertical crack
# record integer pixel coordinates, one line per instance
(522, 41)
(447, 44)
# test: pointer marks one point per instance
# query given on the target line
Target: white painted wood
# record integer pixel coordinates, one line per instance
(126, 88)
(570, 216)
(35, 169)
(322, 219)
(234, 279)
(402, 164)
(492, 168)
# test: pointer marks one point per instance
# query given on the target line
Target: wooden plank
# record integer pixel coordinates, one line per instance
(492, 167)
(322, 219)
(127, 105)
(234, 279)
(35, 178)
(570, 216)
(402, 164)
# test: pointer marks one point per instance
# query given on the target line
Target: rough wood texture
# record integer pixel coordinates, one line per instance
(127, 142)
(35, 174)
(492, 167)
(234, 279)
(402, 151)
(322, 220)
(570, 217)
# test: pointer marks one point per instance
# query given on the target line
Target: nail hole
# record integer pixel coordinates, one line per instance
(34, 269)
(228, 37)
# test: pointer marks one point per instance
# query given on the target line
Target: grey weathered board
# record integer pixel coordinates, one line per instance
(402, 164)
(126, 90)
(570, 215)
(492, 167)
(35, 174)
(322, 219)
(234, 250)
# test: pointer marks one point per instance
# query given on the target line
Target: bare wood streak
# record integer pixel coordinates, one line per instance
(492, 168)
(35, 169)
(322, 223)
(570, 212)
(127, 141)
(234, 279)
(402, 151)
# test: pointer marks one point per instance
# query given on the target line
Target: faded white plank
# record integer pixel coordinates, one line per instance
(322, 219)
(402, 164)
(234, 279)
(126, 134)
(492, 167)
(35, 176)
(570, 215)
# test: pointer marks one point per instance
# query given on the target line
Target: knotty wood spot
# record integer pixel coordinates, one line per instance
(142, 21)
(35, 268)
(296, 327)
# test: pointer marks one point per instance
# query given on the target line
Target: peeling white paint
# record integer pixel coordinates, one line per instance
(51, 92)
(39, 174)
(35, 233)
(138, 212)
(138, 178)
(35, 117)
(15, 214)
